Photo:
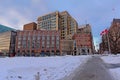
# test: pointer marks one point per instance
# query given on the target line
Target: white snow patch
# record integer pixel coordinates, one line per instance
(113, 59)
(50, 68)
(115, 73)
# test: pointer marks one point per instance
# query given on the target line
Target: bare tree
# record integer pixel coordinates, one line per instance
(114, 38)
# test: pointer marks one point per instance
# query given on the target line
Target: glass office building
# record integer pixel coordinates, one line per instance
(5, 28)
(7, 43)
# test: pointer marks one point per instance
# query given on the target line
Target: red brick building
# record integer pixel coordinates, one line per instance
(38, 42)
(30, 26)
(84, 40)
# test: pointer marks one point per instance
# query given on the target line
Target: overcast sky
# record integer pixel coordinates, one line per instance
(98, 13)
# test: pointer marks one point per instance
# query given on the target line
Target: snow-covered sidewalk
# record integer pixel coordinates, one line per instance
(114, 62)
(50, 68)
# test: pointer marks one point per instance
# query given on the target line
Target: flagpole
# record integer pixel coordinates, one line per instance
(108, 41)
(108, 44)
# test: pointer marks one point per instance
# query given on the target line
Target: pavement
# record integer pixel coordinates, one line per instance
(93, 69)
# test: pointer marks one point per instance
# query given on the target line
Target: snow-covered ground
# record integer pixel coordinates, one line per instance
(114, 60)
(50, 68)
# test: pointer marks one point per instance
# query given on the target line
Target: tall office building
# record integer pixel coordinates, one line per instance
(48, 21)
(68, 25)
(62, 21)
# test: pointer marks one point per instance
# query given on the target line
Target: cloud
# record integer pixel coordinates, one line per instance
(16, 16)
(40, 5)
(13, 19)
(98, 13)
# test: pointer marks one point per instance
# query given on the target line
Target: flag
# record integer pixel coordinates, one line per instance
(104, 32)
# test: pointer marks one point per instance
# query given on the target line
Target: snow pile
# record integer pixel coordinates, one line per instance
(115, 60)
(50, 68)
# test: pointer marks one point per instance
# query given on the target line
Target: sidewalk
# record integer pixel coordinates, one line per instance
(93, 69)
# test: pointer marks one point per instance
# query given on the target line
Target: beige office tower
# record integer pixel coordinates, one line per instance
(48, 21)
(58, 21)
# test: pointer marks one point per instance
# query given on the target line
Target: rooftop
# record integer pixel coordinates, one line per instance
(5, 28)
(116, 20)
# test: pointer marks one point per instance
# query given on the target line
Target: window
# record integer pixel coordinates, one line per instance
(38, 38)
(19, 42)
(19, 38)
(24, 38)
(19, 34)
(43, 37)
(24, 33)
(34, 37)
(48, 46)
(18, 46)
(23, 44)
(52, 37)
(57, 44)
(28, 46)
(43, 44)
(38, 44)
(48, 42)
(52, 46)
(28, 37)
(33, 44)
(57, 38)
(29, 34)
(52, 42)
(48, 37)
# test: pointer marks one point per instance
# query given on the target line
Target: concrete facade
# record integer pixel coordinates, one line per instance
(67, 47)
